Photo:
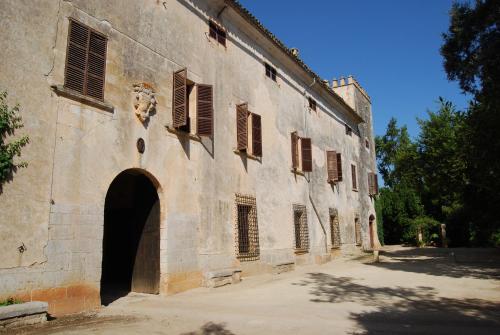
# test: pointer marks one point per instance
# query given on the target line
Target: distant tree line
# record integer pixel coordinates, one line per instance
(450, 173)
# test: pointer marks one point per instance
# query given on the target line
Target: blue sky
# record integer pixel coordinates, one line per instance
(390, 46)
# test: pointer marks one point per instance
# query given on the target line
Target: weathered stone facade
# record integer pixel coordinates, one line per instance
(56, 206)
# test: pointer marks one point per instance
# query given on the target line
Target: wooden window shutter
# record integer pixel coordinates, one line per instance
(256, 135)
(339, 167)
(353, 175)
(96, 66)
(76, 57)
(179, 99)
(204, 110)
(295, 150)
(242, 127)
(331, 166)
(370, 183)
(85, 61)
(305, 144)
(375, 183)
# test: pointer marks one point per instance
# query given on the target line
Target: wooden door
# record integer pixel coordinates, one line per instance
(146, 270)
(371, 234)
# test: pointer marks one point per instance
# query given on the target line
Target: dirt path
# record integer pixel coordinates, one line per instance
(411, 291)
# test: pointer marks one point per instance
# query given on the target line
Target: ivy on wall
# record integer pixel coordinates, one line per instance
(9, 122)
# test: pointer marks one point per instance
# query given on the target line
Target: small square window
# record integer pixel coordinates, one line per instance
(348, 130)
(270, 72)
(217, 33)
(312, 104)
(354, 178)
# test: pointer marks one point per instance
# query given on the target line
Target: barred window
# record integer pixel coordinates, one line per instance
(357, 231)
(301, 228)
(334, 228)
(247, 231)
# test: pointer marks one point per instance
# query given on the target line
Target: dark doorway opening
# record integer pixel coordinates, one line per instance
(131, 241)
(371, 220)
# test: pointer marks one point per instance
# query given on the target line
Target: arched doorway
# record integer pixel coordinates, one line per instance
(131, 241)
(371, 223)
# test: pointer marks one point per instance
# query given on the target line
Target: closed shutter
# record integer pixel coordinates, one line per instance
(353, 176)
(204, 110)
(256, 135)
(375, 182)
(339, 167)
(179, 99)
(295, 150)
(76, 57)
(221, 37)
(85, 61)
(370, 183)
(306, 154)
(331, 166)
(96, 66)
(242, 127)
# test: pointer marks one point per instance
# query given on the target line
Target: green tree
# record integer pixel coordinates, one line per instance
(443, 168)
(471, 51)
(397, 156)
(9, 122)
(399, 200)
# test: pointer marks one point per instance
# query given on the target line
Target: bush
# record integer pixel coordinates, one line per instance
(9, 122)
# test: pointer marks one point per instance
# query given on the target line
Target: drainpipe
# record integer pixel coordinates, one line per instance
(310, 184)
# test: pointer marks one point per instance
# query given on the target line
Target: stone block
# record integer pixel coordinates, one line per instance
(49, 295)
(27, 308)
(28, 313)
(217, 278)
(60, 232)
(283, 267)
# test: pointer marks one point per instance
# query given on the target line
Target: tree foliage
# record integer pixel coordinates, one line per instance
(9, 122)
(471, 52)
(423, 177)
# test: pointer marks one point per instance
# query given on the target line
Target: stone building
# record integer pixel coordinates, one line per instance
(173, 144)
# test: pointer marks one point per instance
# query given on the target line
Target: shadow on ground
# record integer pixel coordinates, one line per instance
(211, 328)
(453, 262)
(411, 310)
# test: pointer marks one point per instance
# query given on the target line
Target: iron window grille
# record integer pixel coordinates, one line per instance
(357, 231)
(335, 229)
(301, 228)
(246, 228)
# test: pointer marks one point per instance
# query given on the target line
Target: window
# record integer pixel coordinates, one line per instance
(348, 130)
(301, 153)
(247, 231)
(217, 32)
(248, 139)
(270, 72)
(354, 178)
(372, 184)
(334, 229)
(85, 61)
(188, 106)
(332, 166)
(367, 144)
(301, 228)
(357, 231)
(312, 104)
(339, 167)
